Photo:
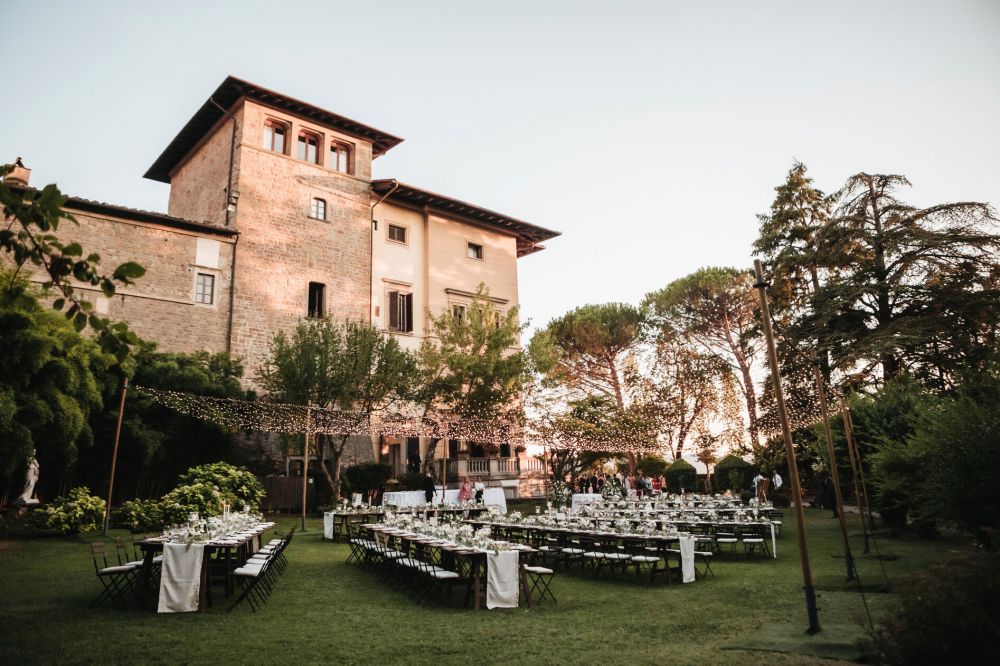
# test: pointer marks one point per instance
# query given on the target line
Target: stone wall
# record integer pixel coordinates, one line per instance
(161, 305)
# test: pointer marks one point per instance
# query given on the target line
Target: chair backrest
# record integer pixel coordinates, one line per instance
(97, 551)
(124, 549)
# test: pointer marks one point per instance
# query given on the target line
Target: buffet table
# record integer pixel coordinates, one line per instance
(491, 497)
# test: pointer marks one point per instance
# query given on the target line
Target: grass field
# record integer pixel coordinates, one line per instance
(325, 611)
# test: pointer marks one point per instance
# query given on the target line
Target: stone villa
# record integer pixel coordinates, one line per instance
(273, 216)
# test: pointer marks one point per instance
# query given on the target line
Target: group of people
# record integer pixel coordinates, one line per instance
(640, 483)
(466, 490)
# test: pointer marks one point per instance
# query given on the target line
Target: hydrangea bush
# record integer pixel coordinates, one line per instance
(78, 511)
(205, 499)
(239, 485)
(140, 515)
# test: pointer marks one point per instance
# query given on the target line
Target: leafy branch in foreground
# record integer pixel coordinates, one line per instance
(31, 219)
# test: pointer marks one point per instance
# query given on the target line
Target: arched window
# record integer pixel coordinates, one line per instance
(275, 132)
(340, 157)
(308, 147)
(317, 209)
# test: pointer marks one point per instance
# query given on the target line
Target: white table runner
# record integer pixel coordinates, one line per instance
(687, 559)
(502, 579)
(180, 578)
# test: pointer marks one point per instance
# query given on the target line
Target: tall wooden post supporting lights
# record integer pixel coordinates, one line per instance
(305, 464)
(834, 472)
(793, 470)
(114, 455)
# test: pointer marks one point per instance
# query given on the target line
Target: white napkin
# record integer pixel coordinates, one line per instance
(180, 578)
(687, 559)
(502, 579)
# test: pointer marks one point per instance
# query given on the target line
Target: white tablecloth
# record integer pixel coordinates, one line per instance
(491, 497)
(580, 499)
(404, 498)
(180, 577)
(502, 579)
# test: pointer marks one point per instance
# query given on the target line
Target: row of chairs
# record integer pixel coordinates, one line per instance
(617, 557)
(259, 576)
(430, 572)
(118, 580)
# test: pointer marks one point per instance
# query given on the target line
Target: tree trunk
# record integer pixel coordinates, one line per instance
(428, 463)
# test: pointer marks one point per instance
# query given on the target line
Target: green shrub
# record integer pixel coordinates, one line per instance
(411, 481)
(205, 499)
(141, 515)
(733, 473)
(945, 616)
(79, 511)
(652, 465)
(681, 475)
(366, 477)
(235, 482)
(959, 445)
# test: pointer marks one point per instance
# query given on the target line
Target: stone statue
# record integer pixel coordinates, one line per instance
(30, 479)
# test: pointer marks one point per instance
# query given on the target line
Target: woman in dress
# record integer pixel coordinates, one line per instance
(465, 490)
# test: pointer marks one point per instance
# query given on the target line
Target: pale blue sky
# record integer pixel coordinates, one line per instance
(649, 133)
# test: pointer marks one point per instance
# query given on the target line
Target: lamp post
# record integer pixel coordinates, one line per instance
(793, 470)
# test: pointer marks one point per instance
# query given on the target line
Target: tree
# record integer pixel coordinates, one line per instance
(714, 309)
(682, 391)
(30, 238)
(590, 351)
(350, 366)
(788, 243)
(911, 289)
(48, 387)
(471, 366)
(158, 443)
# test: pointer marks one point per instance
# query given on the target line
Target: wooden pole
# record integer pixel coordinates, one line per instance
(854, 470)
(305, 464)
(114, 455)
(834, 472)
(793, 470)
(853, 443)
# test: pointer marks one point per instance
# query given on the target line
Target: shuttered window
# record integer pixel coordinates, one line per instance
(400, 312)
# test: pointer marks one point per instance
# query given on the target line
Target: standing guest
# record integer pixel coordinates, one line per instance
(641, 483)
(480, 488)
(600, 483)
(656, 485)
(593, 483)
(429, 487)
(465, 490)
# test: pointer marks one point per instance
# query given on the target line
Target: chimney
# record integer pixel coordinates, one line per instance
(19, 175)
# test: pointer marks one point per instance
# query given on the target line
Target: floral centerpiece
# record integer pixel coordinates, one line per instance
(559, 493)
(613, 491)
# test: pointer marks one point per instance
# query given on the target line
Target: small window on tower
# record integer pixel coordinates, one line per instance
(458, 313)
(309, 147)
(317, 209)
(275, 132)
(475, 251)
(317, 299)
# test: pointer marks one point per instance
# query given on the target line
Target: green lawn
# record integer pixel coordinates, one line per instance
(325, 611)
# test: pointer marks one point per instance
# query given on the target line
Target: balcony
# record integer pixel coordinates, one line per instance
(492, 469)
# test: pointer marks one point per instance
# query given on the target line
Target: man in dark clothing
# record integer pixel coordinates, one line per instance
(429, 488)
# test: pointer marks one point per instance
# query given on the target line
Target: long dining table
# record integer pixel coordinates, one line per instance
(477, 563)
(229, 552)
